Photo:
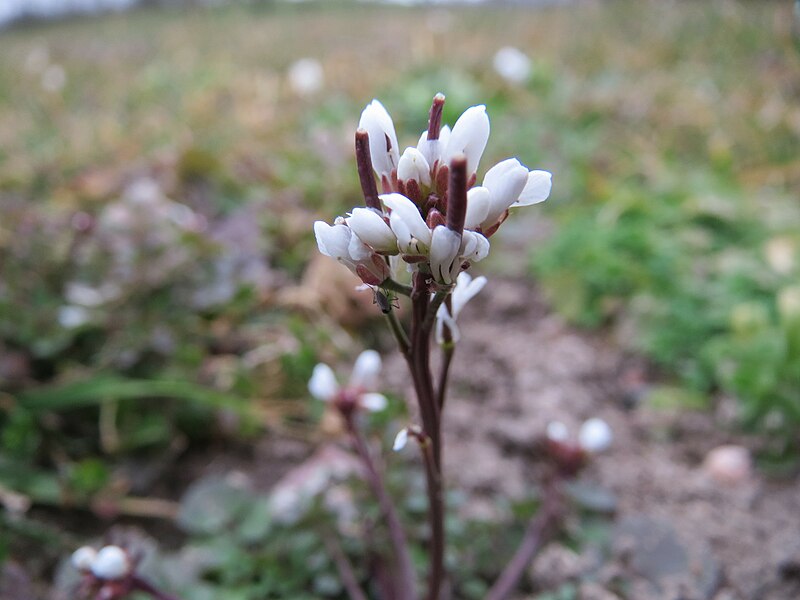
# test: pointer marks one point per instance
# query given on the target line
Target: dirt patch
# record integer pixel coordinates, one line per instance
(518, 367)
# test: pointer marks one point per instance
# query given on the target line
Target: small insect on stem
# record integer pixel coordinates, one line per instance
(385, 300)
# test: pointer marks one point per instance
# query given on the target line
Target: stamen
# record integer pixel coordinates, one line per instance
(365, 172)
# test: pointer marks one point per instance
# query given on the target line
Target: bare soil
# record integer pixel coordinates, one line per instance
(518, 367)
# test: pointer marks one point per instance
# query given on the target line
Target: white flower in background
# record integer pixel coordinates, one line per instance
(54, 78)
(71, 316)
(400, 440)
(83, 558)
(512, 64)
(466, 289)
(557, 431)
(324, 386)
(111, 563)
(306, 76)
(595, 436)
(382, 139)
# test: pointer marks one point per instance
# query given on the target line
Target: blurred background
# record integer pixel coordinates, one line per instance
(162, 300)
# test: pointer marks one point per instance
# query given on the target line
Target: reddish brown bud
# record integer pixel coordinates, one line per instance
(365, 173)
(457, 194)
(435, 117)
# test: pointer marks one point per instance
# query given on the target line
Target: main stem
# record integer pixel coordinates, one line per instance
(405, 575)
(419, 365)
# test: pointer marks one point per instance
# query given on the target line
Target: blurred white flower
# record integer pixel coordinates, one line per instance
(111, 563)
(364, 378)
(83, 558)
(466, 289)
(595, 436)
(400, 440)
(557, 431)
(306, 76)
(54, 78)
(71, 316)
(512, 64)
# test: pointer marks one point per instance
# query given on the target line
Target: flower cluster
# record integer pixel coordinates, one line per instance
(430, 214)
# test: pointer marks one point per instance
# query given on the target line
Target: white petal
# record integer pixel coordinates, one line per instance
(445, 244)
(400, 440)
(111, 563)
(537, 188)
(466, 289)
(557, 431)
(443, 319)
(413, 165)
(505, 182)
(474, 246)
(83, 558)
(358, 251)
(409, 213)
(371, 229)
(382, 138)
(332, 240)
(469, 136)
(595, 435)
(432, 149)
(374, 402)
(401, 230)
(478, 202)
(366, 370)
(323, 385)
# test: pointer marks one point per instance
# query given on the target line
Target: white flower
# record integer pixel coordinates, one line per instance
(400, 440)
(323, 385)
(512, 64)
(71, 316)
(83, 558)
(595, 436)
(371, 229)
(338, 241)
(383, 147)
(414, 165)
(366, 370)
(557, 431)
(111, 563)
(306, 76)
(466, 289)
(507, 184)
(468, 137)
(445, 246)
(413, 235)
(445, 249)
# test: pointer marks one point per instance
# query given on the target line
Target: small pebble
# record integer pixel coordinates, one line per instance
(729, 464)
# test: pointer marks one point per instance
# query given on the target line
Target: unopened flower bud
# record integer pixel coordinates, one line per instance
(111, 563)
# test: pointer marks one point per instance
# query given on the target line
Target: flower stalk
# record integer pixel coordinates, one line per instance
(430, 219)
